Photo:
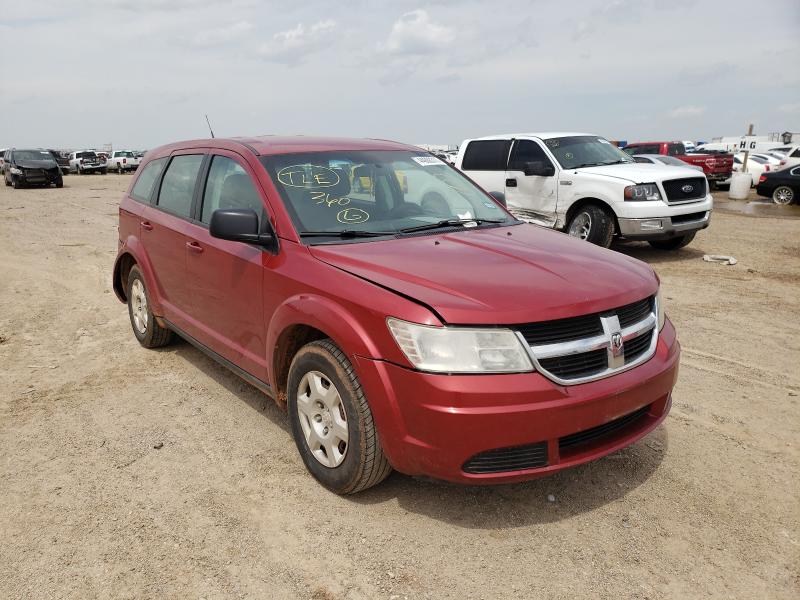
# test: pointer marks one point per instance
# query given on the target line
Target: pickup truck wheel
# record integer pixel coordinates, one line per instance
(119, 169)
(783, 195)
(149, 333)
(673, 243)
(331, 421)
(103, 171)
(592, 224)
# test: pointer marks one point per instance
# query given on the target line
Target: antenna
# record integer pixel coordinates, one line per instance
(209, 126)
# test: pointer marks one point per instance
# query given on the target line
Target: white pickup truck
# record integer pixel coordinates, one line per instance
(582, 184)
(87, 161)
(122, 161)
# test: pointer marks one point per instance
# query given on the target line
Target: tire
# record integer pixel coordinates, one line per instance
(723, 187)
(147, 331)
(103, 171)
(60, 182)
(343, 466)
(119, 169)
(783, 194)
(17, 184)
(593, 224)
(8, 183)
(673, 243)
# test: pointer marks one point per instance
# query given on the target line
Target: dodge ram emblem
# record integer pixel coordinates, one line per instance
(616, 344)
(687, 189)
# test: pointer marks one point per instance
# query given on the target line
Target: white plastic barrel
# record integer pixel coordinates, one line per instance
(740, 186)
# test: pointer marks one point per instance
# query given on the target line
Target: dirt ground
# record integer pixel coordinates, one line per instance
(706, 506)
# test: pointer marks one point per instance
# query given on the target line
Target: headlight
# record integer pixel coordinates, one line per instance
(643, 191)
(660, 309)
(460, 349)
(16, 171)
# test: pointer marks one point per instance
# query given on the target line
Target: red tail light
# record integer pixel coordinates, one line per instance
(762, 179)
(124, 161)
(766, 167)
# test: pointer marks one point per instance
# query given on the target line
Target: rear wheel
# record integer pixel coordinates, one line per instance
(783, 195)
(103, 171)
(673, 243)
(119, 169)
(332, 423)
(149, 333)
(593, 224)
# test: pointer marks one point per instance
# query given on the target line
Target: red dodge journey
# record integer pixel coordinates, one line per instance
(405, 319)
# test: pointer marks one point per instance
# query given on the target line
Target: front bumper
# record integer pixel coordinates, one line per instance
(39, 176)
(662, 228)
(433, 425)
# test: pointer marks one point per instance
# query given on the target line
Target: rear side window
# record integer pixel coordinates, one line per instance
(639, 159)
(526, 151)
(178, 183)
(675, 149)
(796, 153)
(143, 187)
(486, 155)
(229, 186)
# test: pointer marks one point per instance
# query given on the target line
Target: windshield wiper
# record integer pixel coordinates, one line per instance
(346, 233)
(449, 223)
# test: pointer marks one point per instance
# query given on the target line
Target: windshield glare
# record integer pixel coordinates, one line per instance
(585, 151)
(33, 155)
(384, 191)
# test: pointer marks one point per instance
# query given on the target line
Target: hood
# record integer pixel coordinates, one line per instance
(36, 164)
(638, 172)
(504, 275)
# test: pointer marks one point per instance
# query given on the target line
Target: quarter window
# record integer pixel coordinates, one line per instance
(177, 186)
(143, 187)
(675, 149)
(229, 186)
(526, 151)
(486, 155)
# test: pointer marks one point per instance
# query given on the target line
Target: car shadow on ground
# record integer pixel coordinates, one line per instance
(550, 499)
(644, 251)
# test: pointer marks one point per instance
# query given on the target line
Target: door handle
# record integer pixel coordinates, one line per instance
(146, 226)
(511, 182)
(194, 247)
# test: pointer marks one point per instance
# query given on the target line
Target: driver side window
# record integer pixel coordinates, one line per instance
(526, 151)
(229, 186)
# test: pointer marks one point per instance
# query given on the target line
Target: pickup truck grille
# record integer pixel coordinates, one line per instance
(585, 348)
(681, 190)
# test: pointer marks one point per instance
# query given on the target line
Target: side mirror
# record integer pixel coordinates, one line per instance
(499, 196)
(238, 225)
(539, 168)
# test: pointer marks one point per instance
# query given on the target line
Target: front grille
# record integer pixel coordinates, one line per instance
(637, 346)
(601, 431)
(573, 366)
(635, 312)
(516, 458)
(675, 191)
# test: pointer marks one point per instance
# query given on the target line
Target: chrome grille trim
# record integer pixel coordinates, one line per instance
(615, 364)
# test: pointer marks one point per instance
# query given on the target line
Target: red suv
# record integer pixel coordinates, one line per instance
(400, 313)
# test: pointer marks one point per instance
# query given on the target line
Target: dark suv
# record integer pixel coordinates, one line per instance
(31, 167)
(399, 312)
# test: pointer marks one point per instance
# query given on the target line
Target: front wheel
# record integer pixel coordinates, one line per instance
(592, 224)
(673, 243)
(18, 185)
(145, 327)
(783, 195)
(332, 423)
(103, 171)
(60, 182)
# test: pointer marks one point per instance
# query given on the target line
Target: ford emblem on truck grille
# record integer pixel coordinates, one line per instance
(687, 189)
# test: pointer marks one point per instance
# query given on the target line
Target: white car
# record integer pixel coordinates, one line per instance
(582, 184)
(689, 146)
(122, 161)
(87, 161)
(792, 158)
(755, 167)
(773, 161)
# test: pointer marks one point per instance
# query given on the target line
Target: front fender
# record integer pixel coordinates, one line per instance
(133, 247)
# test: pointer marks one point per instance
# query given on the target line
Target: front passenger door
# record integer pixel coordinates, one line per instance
(530, 197)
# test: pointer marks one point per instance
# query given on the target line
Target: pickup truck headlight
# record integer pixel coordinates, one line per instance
(16, 171)
(643, 191)
(660, 309)
(460, 349)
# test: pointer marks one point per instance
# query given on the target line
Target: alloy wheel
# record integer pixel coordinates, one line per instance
(581, 226)
(783, 195)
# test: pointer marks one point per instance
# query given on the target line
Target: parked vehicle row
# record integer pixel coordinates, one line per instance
(405, 318)
(582, 184)
(717, 167)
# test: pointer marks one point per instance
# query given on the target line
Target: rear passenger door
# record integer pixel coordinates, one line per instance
(163, 232)
(225, 277)
(530, 197)
(485, 162)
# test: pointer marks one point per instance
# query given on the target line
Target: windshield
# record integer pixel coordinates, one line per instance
(33, 155)
(86, 155)
(123, 154)
(378, 191)
(585, 151)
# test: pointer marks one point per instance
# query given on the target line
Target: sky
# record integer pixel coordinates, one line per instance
(141, 73)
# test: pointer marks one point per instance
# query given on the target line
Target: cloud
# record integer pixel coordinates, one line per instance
(414, 34)
(294, 45)
(686, 112)
(222, 35)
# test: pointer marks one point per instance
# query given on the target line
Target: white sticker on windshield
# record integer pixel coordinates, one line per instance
(427, 161)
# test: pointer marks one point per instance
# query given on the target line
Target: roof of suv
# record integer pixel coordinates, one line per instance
(271, 144)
